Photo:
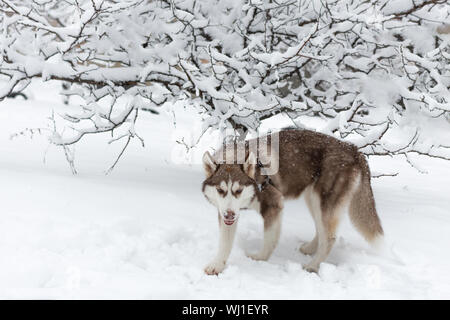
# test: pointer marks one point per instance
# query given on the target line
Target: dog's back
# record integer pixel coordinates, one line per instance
(332, 168)
(306, 157)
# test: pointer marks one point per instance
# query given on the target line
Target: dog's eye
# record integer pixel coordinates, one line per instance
(220, 191)
(238, 191)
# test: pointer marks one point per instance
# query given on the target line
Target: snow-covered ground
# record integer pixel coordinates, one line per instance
(145, 230)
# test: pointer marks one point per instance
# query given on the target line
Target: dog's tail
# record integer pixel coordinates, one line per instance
(363, 213)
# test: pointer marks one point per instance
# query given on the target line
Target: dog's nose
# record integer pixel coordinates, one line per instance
(229, 214)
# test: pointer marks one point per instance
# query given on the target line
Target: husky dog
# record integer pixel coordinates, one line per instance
(332, 175)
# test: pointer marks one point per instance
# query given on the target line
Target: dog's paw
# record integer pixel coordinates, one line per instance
(311, 268)
(260, 256)
(307, 248)
(214, 268)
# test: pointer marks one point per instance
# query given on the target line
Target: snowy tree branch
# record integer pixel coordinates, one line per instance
(376, 71)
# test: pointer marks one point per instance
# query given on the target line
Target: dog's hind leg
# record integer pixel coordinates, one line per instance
(226, 239)
(329, 199)
(326, 224)
(310, 247)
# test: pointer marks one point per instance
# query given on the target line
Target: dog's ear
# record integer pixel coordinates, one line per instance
(250, 165)
(209, 164)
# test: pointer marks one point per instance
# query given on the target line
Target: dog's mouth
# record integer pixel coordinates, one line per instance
(229, 222)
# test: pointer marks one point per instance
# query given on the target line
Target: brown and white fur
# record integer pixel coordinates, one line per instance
(332, 175)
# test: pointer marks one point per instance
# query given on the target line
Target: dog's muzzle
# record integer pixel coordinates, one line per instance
(229, 217)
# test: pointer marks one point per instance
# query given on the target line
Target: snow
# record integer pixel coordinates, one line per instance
(145, 230)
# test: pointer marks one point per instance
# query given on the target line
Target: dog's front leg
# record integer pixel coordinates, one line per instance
(272, 228)
(225, 244)
(271, 210)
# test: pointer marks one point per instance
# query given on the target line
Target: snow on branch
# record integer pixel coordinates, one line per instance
(376, 71)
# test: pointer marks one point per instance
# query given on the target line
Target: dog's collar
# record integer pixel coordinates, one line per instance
(267, 181)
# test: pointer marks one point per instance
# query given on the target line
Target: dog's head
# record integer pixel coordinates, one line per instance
(229, 187)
